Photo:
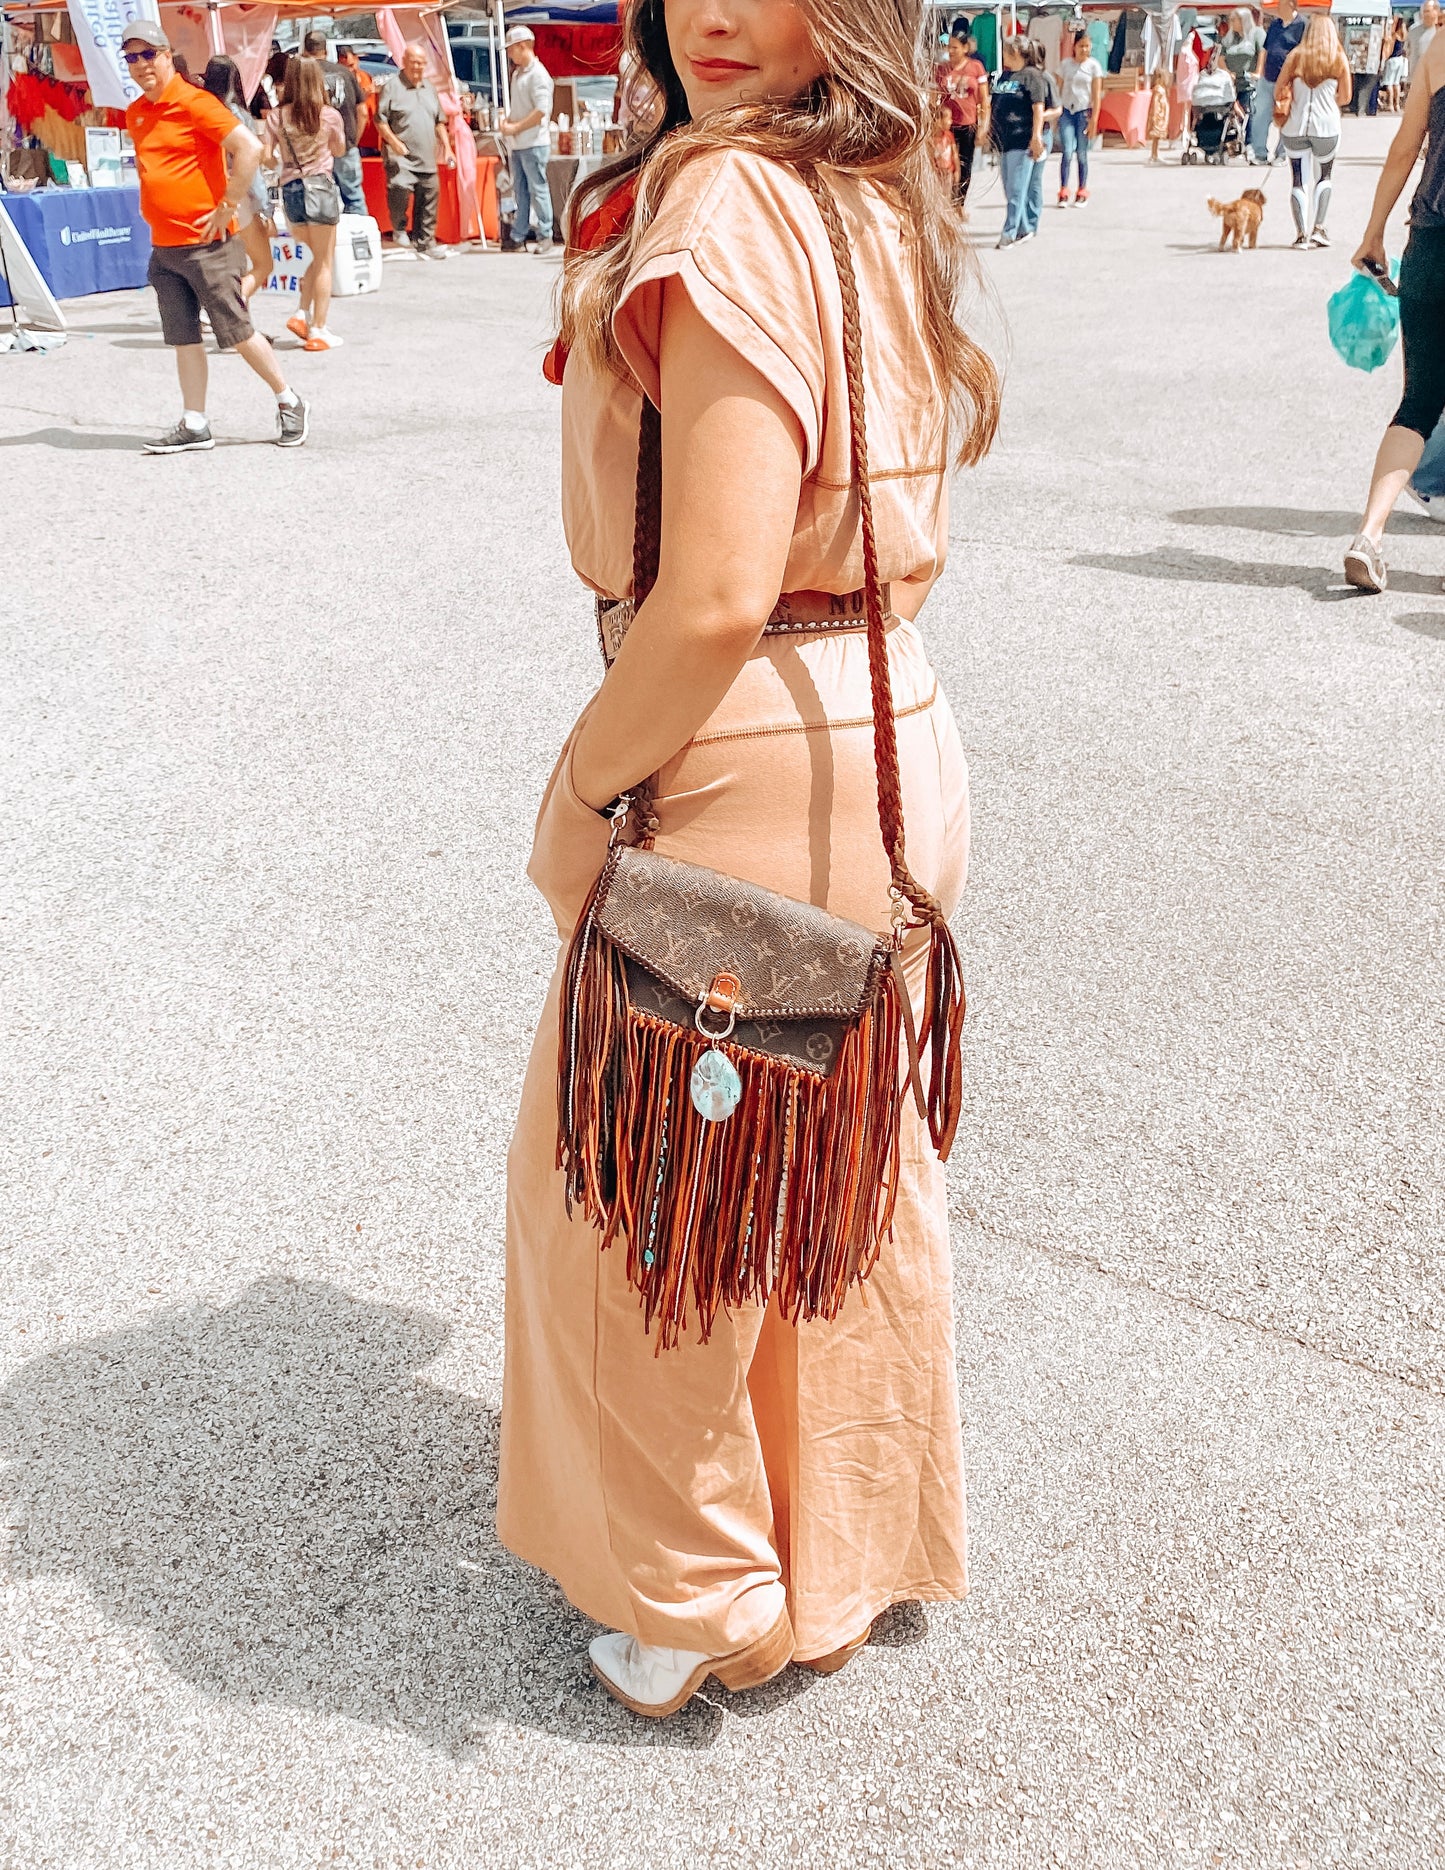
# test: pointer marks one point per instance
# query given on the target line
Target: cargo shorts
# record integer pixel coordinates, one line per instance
(189, 280)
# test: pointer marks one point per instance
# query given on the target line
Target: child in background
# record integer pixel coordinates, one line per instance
(1157, 126)
(945, 150)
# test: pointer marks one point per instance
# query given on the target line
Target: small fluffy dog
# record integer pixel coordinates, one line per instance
(1241, 218)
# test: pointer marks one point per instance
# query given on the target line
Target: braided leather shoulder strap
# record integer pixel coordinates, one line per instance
(647, 538)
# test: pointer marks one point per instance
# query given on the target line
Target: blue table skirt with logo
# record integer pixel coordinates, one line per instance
(83, 240)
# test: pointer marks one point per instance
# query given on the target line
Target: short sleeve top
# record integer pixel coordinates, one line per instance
(298, 154)
(745, 238)
(182, 169)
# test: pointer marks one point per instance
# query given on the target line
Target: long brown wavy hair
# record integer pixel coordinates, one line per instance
(867, 116)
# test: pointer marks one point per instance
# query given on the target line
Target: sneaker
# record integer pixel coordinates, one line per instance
(1300, 240)
(1364, 567)
(323, 340)
(298, 327)
(1431, 505)
(509, 246)
(1007, 240)
(1081, 198)
(1028, 234)
(438, 253)
(294, 424)
(1064, 198)
(181, 440)
(1319, 238)
(401, 240)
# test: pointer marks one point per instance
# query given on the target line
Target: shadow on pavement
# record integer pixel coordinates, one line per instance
(293, 1514)
(73, 438)
(1424, 623)
(1296, 522)
(1323, 583)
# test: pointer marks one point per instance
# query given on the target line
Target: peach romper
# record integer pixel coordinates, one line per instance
(686, 1498)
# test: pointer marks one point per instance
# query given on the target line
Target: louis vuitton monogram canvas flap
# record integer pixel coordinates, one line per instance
(686, 924)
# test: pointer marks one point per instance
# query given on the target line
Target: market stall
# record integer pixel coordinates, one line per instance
(449, 211)
(83, 240)
(62, 82)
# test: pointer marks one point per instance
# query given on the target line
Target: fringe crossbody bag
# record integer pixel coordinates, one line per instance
(733, 1062)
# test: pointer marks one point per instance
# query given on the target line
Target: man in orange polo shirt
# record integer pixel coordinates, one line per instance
(182, 139)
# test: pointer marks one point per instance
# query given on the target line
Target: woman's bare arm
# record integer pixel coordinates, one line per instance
(1409, 138)
(732, 467)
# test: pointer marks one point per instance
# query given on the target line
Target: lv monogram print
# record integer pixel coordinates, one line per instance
(687, 925)
(810, 1044)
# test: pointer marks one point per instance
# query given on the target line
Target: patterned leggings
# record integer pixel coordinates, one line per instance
(1300, 149)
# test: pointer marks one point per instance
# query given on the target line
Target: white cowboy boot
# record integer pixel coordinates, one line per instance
(656, 1682)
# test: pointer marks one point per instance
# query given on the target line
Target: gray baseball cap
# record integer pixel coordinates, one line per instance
(146, 32)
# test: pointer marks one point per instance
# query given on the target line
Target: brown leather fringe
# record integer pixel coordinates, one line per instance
(793, 1195)
(944, 1005)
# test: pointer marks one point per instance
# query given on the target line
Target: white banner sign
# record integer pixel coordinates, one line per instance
(99, 31)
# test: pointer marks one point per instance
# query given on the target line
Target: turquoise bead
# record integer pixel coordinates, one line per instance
(717, 1090)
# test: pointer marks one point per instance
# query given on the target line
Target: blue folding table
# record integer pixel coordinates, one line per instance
(83, 240)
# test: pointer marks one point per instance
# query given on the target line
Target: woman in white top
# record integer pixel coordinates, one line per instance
(1313, 86)
(1081, 88)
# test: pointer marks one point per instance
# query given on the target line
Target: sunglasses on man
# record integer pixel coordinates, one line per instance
(148, 57)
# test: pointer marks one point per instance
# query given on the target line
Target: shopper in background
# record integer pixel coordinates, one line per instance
(963, 84)
(1034, 201)
(366, 90)
(1314, 87)
(343, 94)
(1243, 50)
(304, 136)
(942, 146)
(527, 130)
(1081, 90)
(1396, 68)
(183, 140)
(253, 215)
(1016, 129)
(1422, 306)
(1420, 35)
(1283, 35)
(413, 133)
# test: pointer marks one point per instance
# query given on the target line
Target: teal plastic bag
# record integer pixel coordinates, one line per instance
(1364, 321)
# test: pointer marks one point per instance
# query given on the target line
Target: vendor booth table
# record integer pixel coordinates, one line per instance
(1125, 113)
(565, 172)
(83, 240)
(449, 221)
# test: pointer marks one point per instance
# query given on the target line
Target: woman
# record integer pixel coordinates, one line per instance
(305, 135)
(963, 84)
(1016, 119)
(728, 1505)
(1396, 67)
(1312, 89)
(1034, 200)
(253, 217)
(1422, 306)
(1081, 90)
(1243, 54)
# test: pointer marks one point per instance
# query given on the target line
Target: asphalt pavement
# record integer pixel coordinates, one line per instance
(274, 729)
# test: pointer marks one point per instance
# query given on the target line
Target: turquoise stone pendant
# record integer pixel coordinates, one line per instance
(717, 1090)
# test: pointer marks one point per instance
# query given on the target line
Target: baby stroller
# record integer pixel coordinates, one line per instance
(1216, 130)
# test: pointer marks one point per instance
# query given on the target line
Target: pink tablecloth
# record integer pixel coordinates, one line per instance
(1126, 113)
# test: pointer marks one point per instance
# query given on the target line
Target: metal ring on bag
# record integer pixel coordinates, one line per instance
(706, 1031)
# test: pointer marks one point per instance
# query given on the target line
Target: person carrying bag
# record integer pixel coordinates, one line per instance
(730, 1422)
(306, 134)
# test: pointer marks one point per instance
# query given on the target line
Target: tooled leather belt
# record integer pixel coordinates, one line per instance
(796, 613)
